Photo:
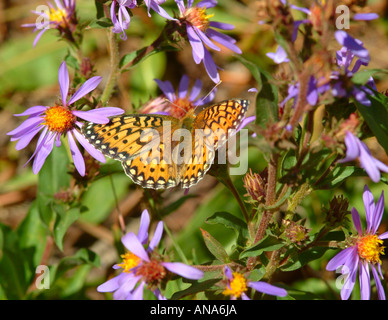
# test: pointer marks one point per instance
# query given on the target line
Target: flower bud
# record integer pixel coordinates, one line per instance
(337, 212)
(255, 186)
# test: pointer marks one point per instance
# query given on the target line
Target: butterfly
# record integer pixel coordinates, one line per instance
(152, 149)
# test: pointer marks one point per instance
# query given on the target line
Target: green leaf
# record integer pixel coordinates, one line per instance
(81, 257)
(215, 247)
(267, 108)
(196, 287)
(338, 175)
(363, 76)
(297, 260)
(65, 218)
(137, 56)
(99, 9)
(101, 23)
(376, 116)
(52, 178)
(268, 243)
(230, 221)
(32, 236)
(99, 199)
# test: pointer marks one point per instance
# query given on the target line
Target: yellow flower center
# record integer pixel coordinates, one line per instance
(59, 119)
(370, 248)
(237, 286)
(130, 261)
(198, 17)
(58, 16)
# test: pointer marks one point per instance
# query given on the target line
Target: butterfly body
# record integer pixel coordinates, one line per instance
(159, 151)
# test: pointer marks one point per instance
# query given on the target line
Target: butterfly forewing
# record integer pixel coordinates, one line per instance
(126, 137)
(219, 120)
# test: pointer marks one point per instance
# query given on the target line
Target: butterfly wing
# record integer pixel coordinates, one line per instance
(138, 142)
(217, 120)
(214, 124)
(124, 137)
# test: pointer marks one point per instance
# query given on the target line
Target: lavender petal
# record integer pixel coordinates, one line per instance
(183, 86)
(339, 259)
(267, 288)
(63, 79)
(76, 155)
(167, 89)
(378, 213)
(87, 87)
(33, 111)
(26, 138)
(356, 220)
(211, 67)
(365, 16)
(44, 151)
(96, 154)
(364, 279)
(379, 286)
(183, 270)
(142, 234)
(354, 46)
(132, 243)
(157, 236)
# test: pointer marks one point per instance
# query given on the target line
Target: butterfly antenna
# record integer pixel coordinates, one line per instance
(174, 104)
(215, 86)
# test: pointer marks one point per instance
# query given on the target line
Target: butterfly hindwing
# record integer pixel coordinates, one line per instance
(151, 170)
(199, 163)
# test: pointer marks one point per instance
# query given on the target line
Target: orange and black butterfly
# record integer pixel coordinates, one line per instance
(150, 146)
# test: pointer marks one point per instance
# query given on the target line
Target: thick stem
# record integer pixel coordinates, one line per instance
(303, 80)
(270, 197)
(269, 200)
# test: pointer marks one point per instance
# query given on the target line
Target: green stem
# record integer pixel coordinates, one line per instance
(119, 214)
(114, 67)
(176, 245)
(296, 199)
(227, 181)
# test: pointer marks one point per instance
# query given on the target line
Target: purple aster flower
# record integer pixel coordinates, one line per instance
(237, 286)
(177, 104)
(354, 46)
(313, 92)
(122, 23)
(364, 251)
(143, 267)
(56, 121)
(61, 17)
(353, 51)
(355, 148)
(279, 56)
(201, 34)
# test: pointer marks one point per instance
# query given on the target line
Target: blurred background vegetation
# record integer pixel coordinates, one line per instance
(28, 77)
